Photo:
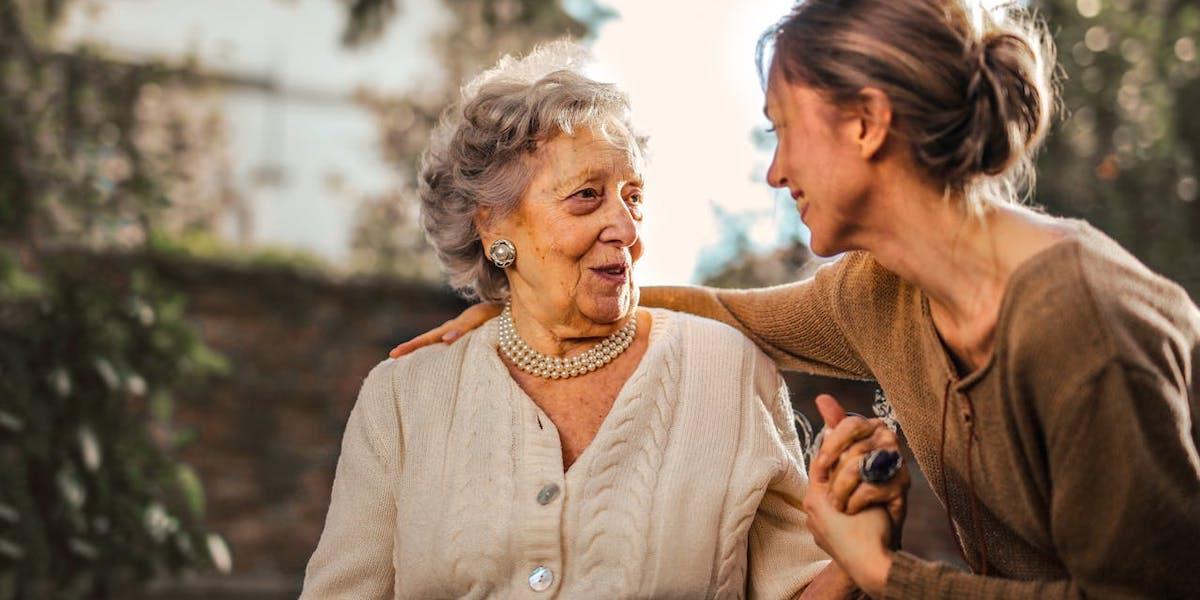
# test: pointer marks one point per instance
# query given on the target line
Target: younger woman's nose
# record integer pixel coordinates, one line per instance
(775, 177)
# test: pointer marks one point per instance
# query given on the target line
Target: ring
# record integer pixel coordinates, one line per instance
(880, 466)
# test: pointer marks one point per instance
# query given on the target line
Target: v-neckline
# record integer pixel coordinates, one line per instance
(1015, 280)
(655, 333)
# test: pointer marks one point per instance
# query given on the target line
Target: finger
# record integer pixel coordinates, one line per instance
(846, 474)
(850, 430)
(897, 509)
(425, 339)
(867, 495)
(881, 493)
(831, 410)
(845, 477)
(816, 500)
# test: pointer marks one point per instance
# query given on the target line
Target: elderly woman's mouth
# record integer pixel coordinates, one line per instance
(616, 272)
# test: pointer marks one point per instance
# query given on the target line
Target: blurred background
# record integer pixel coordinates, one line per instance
(208, 236)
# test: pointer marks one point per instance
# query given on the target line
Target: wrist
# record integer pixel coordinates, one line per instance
(874, 574)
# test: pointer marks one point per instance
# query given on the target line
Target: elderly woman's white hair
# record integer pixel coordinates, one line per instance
(477, 156)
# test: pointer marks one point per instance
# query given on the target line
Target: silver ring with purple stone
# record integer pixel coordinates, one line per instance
(880, 466)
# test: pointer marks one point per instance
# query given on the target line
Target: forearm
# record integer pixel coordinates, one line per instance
(691, 299)
(792, 324)
(912, 577)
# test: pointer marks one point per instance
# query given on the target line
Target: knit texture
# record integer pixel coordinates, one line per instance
(691, 488)
(1085, 421)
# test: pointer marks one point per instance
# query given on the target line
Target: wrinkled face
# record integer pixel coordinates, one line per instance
(819, 162)
(576, 233)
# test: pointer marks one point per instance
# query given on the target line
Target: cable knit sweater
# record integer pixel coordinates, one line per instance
(1078, 437)
(451, 484)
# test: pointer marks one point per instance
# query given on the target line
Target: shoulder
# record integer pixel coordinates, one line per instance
(686, 325)
(418, 378)
(1086, 303)
(869, 294)
(719, 348)
(436, 359)
(1128, 296)
(713, 340)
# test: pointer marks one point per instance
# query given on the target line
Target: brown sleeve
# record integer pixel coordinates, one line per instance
(1125, 496)
(795, 324)
(910, 578)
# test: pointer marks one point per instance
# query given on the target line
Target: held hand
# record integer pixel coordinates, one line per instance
(846, 441)
(857, 543)
(451, 330)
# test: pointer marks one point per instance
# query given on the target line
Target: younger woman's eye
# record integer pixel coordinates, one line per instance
(635, 198)
(771, 129)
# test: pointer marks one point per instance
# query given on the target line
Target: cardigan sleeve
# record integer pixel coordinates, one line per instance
(354, 556)
(795, 324)
(783, 557)
(1125, 496)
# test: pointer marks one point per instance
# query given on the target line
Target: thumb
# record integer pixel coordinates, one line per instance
(830, 410)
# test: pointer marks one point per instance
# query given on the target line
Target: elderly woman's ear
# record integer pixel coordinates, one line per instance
(498, 248)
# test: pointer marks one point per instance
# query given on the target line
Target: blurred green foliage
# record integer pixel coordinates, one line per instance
(1124, 155)
(92, 496)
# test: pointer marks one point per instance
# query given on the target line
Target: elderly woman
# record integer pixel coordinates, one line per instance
(576, 445)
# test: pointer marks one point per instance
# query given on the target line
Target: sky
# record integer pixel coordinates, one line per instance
(690, 74)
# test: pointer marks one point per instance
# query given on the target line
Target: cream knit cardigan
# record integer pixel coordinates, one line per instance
(690, 489)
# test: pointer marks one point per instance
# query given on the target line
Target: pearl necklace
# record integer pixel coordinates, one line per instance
(551, 367)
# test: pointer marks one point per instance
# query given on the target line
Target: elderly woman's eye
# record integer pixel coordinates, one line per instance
(589, 193)
(635, 198)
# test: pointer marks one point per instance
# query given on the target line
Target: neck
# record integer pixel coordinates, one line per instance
(949, 254)
(962, 262)
(560, 337)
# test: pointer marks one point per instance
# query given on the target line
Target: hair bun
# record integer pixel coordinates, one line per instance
(1009, 111)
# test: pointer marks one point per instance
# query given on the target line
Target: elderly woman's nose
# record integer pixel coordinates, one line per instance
(622, 225)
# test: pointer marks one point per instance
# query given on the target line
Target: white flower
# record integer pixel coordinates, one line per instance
(145, 315)
(60, 382)
(10, 549)
(11, 422)
(72, 491)
(136, 385)
(89, 447)
(8, 514)
(219, 551)
(107, 373)
(158, 523)
(82, 548)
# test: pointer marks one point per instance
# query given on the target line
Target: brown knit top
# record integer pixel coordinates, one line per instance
(1078, 438)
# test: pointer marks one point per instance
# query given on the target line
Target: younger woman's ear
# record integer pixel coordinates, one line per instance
(874, 121)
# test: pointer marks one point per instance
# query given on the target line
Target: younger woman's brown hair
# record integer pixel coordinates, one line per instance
(971, 89)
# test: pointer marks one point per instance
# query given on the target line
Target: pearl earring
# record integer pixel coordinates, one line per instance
(504, 253)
